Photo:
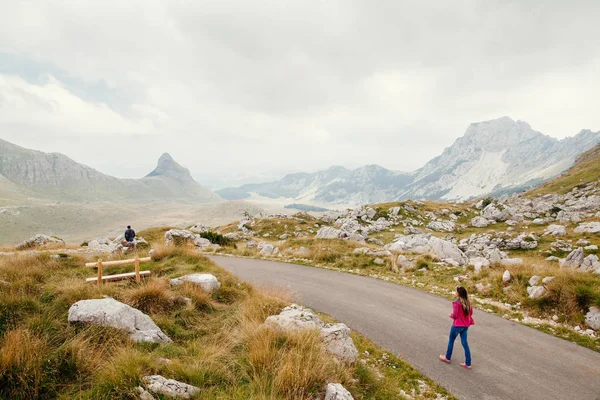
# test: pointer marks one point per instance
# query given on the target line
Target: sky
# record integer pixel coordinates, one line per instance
(246, 91)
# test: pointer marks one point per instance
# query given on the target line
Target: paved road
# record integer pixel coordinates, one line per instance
(510, 361)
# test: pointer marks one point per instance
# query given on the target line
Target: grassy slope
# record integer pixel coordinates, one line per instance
(585, 170)
(218, 344)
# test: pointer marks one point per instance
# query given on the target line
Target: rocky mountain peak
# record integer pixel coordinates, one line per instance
(500, 134)
(168, 167)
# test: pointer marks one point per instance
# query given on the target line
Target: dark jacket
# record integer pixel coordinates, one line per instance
(129, 235)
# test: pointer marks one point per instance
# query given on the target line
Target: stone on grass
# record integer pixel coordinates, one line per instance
(536, 292)
(556, 230)
(588, 227)
(446, 226)
(112, 313)
(295, 317)
(266, 249)
(574, 259)
(592, 318)
(547, 280)
(479, 263)
(335, 391)
(378, 261)
(338, 342)
(144, 395)
(169, 387)
(534, 280)
(590, 263)
(483, 289)
(506, 277)
(208, 282)
(479, 222)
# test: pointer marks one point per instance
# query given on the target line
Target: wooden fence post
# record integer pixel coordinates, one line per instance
(137, 269)
(99, 272)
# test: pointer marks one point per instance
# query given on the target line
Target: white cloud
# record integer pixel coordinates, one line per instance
(250, 88)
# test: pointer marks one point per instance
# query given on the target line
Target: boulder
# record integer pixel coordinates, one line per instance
(426, 243)
(169, 387)
(588, 227)
(506, 277)
(179, 236)
(479, 222)
(592, 318)
(536, 292)
(209, 283)
(555, 230)
(378, 261)
(251, 244)
(446, 226)
(328, 232)
(547, 280)
(199, 228)
(335, 391)
(534, 280)
(112, 313)
(590, 263)
(38, 241)
(338, 342)
(496, 212)
(266, 249)
(295, 317)
(573, 260)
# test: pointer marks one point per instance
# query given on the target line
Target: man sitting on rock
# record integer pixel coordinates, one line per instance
(129, 237)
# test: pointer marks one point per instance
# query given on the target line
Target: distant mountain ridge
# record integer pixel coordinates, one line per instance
(493, 157)
(54, 176)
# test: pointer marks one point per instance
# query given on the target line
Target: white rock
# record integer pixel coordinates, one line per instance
(506, 277)
(534, 280)
(588, 227)
(483, 289)
(336, 391)
(592, 318)
(590, 263)
(338, 342)
(547, 280)
(378, 261)
(583, 242)
(536, 291)
(209, 283)
(110, 312)
(591, 247)
(267, 249)
(555, 230)
(573, 260)
(180, 236)
(479, 222)
(496, 212)
(170, 387)
(293, 318)
(144, 395)
(446, 226)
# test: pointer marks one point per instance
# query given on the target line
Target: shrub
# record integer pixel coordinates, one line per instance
(487, 201)
(217, 238)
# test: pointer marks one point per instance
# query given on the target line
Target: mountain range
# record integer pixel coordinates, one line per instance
(27, 174)
(492, 158)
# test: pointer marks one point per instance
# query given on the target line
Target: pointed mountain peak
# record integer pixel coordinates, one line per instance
(170, 168)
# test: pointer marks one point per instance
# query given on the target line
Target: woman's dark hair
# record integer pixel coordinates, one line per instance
(463, 297)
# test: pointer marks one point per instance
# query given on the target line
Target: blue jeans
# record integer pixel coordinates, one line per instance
(454, 332)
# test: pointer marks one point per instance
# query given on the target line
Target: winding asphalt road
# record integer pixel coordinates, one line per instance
(510, 361)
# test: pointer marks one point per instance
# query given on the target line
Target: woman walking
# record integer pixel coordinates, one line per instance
(462, 314)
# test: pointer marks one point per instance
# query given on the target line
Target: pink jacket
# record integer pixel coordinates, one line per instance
(460, 320)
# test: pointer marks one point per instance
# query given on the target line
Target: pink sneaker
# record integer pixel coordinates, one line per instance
(444, 359)
(465, 366)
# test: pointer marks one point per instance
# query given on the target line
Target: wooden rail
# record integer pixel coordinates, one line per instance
(100, 266)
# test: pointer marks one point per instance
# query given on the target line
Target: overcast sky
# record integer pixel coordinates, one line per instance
(246, 89)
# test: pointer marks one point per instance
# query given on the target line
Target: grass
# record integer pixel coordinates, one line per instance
(220, 344)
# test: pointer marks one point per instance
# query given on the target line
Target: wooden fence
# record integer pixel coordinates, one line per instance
(108, 278)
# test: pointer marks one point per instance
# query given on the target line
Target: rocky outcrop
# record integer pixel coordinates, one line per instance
(338, 342)
(178, 237)
(295, 317)
(479, 222)
(112, 313)
(555, 230)
(592, 318)
(442, 226)
(535, 292)
(574, 259)
(336, 337)
(336, 391)
(426, 243)
(588, 227)
(209, 283)
(496, 212)
(39, 241)
(328, 232)
(169, 387)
